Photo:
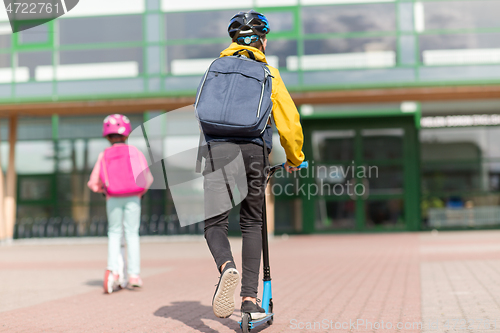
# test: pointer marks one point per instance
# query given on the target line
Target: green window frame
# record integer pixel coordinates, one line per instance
(18, 45)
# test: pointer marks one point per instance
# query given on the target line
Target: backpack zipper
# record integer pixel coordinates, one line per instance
(203, 84)
(267, 121)
(266, 74)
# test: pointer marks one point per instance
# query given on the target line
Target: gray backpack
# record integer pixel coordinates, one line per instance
(234, 97)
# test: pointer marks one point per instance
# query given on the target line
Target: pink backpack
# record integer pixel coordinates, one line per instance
(123, 171)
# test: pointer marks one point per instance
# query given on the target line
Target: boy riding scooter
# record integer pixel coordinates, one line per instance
(237, 99)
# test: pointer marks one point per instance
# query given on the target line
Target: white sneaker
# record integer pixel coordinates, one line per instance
(223, 301)
(135, 281)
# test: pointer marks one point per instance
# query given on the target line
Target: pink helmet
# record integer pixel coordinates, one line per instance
(116, 124)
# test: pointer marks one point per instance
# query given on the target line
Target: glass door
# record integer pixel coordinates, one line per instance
(364, 175)
(333, 155)
(382, 156)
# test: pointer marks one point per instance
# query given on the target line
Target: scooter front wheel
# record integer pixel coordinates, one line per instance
(270, 321)
(245, 322)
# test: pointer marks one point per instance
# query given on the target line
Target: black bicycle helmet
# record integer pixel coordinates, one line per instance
(248, 27)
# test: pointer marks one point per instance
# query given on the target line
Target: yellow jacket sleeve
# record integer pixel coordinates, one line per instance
(287, 120)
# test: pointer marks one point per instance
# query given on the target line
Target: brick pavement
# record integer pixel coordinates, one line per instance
(322, 279)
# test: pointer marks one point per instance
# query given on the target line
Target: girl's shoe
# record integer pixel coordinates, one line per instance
(109, 281)
(135, 281)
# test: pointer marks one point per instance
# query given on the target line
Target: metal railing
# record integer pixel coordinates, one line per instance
(98, 226)
(464, 217)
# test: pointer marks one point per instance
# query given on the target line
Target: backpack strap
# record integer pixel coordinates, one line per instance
(141, 162)
(266, 153)
(104, 169)
(250, 53)
(199, 154)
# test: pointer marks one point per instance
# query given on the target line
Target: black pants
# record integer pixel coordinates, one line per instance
(247, 173)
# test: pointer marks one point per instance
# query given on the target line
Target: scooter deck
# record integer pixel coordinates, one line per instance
(254, 323)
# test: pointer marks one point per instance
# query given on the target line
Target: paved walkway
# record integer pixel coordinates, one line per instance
(418, 282)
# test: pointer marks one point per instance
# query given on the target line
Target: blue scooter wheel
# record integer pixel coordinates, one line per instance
(245, 322)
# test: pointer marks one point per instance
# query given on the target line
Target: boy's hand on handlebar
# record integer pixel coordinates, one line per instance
(290, 168)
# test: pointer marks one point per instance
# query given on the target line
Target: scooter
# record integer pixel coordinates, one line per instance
(110, 283)
(246, 322)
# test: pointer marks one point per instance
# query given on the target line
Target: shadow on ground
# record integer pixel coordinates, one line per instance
(94, 283)
(192, 314)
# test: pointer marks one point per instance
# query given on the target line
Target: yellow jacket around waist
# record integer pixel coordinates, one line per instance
(285, 114)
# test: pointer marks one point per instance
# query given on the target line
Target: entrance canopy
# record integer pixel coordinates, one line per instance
(123, 105)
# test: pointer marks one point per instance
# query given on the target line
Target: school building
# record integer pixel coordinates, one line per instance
(399, 99)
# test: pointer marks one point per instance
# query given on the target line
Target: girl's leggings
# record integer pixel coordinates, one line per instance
(124, 212)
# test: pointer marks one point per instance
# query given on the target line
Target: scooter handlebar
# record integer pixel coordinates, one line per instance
(302, 165)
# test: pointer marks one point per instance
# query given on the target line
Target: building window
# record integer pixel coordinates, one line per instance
(337, 53)
(107, 29)
(32, 60)
(475, 14)
(349, 18)
(35, 35)
(197, 25)
(460, 49)
(192, 59)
